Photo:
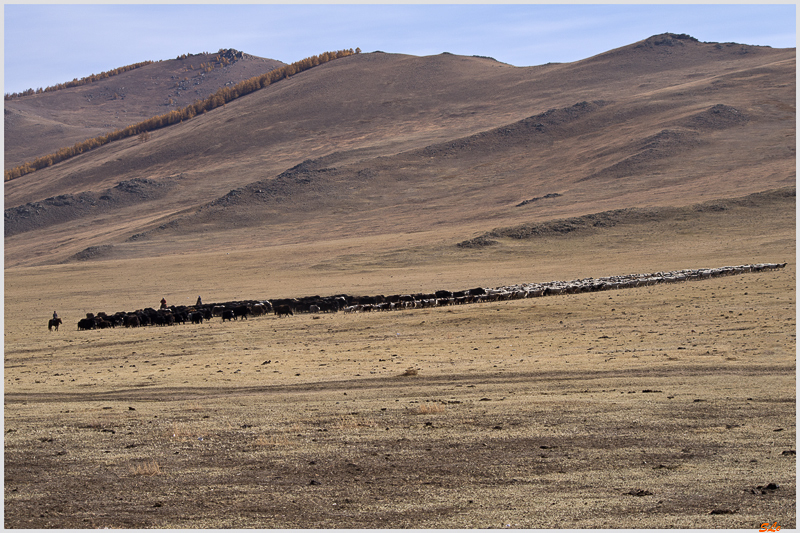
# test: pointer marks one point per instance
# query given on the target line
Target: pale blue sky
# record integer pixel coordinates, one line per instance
(50, 44)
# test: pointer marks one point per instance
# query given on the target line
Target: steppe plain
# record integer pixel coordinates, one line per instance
(667, 406)
(663, 406)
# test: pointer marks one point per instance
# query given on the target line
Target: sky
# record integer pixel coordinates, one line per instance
(48, 44)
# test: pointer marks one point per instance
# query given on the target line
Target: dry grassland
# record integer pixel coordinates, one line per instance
(670, 406)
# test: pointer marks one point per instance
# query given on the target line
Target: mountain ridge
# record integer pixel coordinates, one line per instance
(425, 137)
(155, 89)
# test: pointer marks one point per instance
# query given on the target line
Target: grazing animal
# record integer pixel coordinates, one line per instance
(87, 323)
(227, 314)
(196, 317)
(283, 310)
(241, 311)
(53, 323)
(181, 316)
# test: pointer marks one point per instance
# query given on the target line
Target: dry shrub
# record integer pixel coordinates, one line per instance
(429, 409)
(410, 371)
(148, 468)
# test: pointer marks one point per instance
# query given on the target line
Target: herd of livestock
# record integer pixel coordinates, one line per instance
(241, 310)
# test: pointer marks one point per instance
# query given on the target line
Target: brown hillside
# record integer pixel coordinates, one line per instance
(40, 124)
(395, 144)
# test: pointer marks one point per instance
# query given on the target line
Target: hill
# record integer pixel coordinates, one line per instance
(389, 144)
(40, 124)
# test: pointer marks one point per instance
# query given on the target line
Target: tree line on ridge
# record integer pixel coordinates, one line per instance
(218, 99)
(78, 82)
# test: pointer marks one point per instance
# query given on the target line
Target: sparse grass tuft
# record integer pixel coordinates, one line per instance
(410, 371)
(272, 440)
(148, 468)
(429, 409)
(185, 431)
(348, 422)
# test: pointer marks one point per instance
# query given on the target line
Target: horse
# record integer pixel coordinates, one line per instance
(53, 323)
